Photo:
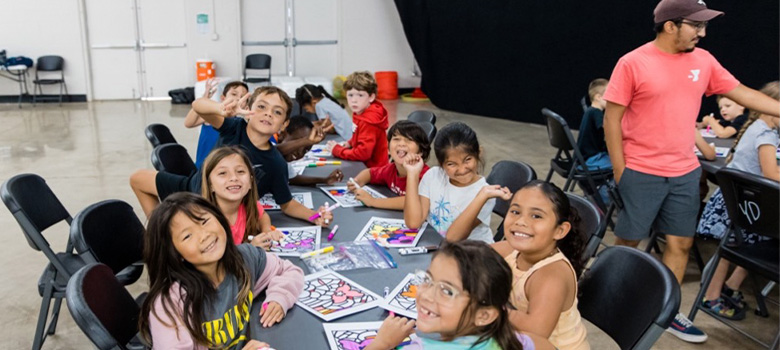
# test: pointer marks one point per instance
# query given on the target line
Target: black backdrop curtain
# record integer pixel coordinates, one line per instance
(510, 58)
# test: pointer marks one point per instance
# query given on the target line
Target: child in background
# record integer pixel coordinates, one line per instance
(302, 131)
(405, 138)
(734, 117)
(461, 304)
(208, 136)
(202, 286)
(314, 99)
(544, 249)
(454, 198)
(591, 138)
(369, 123)
(228, 183)
(754, 152)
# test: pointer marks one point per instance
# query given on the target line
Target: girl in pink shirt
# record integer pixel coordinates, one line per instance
(227, 183)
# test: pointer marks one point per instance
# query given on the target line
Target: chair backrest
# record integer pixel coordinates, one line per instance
(173, 158)
(108, 232)
(430, 130)
(511, 174)
(104, 310)
(35, 208)
(258, 61)
(751, 201)
(159, 134)
(422, 116)
(558, 131)
(592, 223)
(49, 64)
(610, 289)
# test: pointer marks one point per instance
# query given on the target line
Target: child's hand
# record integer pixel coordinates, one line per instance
(413, 164)
(364, 197)
(327, 125)
(493, 191)
(256, 345)
(351, 187)
(325, 217)
(265, 240)
(392, 332)
(316, 135)
(331, 144)
(335, 176)
(708, 119)
(271, 313)
(211, 87)
(346, 144)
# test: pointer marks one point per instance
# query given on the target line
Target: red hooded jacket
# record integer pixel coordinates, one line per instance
(369, 139)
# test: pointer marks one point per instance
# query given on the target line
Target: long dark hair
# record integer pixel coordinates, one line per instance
(574, 243)
(308, 92)
(488, 280)
(166, 267)
(454, 135)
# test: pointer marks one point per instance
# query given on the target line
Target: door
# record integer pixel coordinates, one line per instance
(163, 47)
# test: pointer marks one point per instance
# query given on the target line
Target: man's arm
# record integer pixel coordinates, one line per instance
(613, 135)
(754, 100)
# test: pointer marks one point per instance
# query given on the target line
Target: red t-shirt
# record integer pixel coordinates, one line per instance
(662, 95)
(237, 229)
(388, 175)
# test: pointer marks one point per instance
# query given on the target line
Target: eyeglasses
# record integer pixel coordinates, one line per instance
(445, 292)
(699, 26)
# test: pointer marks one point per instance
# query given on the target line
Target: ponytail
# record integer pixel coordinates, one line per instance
(573, 244)
(326, 94)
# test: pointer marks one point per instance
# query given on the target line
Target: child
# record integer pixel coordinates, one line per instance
(754, 152)
(202, 286)
(405, 138)
(314, 99)
(208, 136)
(269, 113)
(544, 248)
(461, 304)
(302, 134)
(734, 117)
(228, 184)
(369, 123)
(591, 138)
(453, 197)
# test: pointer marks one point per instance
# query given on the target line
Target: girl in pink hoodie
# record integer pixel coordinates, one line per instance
(202, 286)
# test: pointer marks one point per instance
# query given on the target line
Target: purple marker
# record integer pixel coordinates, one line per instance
(332, 232)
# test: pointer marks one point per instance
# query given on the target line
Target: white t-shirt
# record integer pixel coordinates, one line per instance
(448, 201)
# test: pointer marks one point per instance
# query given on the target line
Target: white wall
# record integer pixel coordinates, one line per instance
(44, 27)
(225, 50)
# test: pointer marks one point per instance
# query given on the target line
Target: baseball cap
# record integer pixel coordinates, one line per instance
(694, 10)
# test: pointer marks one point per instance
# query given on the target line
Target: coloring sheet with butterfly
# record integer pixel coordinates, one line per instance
(304, 198)
(341, 195)
(297, 240)
(355, 335)
(390, 232)
(403, 299)
(329, 295)
(319, 151)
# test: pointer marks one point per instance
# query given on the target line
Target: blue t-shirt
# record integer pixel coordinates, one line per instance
(269, 166)
(206, 142)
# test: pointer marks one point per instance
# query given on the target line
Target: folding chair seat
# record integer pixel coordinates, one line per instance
(569, 162)
(173, 158)
(422, 116)
(159, 134)
(512, 175)
(609, 291)
(752, 206)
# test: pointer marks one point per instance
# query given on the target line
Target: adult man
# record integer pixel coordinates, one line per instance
(653, 98)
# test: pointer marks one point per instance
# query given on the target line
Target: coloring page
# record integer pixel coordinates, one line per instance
(319, 151)
(341, 195)
(403, 299)
(297, 240)
(304, 198)
(329, 295)
(355, 335)
(390, 232)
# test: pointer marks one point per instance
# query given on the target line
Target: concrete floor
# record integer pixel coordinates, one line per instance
(87, 151)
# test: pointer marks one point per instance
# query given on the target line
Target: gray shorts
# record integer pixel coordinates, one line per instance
(669, 205)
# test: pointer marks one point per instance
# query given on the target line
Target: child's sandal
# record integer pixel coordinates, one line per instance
(721, 308)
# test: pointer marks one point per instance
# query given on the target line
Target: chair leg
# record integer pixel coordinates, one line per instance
(43, 315)
(549, 175)
(55, 315)
(697, 256)
(60, 95)
(761, 309)
(707, 278)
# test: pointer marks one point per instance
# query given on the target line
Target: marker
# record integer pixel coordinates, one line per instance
(408, 230)
(316, 158)
(329, 209)
(332, 232)
(387, 292)
(317, 252)
(265, 306)
(352, 180)
(708, 129)
(417, 250)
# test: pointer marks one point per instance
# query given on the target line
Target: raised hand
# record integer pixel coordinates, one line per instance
(211, 87)
(413, 163)
(496, 191)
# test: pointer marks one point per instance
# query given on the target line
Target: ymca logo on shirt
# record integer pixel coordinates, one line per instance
(701, 2)
(694, 74)
(354, 127)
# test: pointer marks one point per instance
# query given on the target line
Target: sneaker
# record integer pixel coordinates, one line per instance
(722, 308)
(684, 329)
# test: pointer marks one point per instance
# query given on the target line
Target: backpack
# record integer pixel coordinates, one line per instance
(182, 96)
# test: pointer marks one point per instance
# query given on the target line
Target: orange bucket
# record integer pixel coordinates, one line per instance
(387, 85)
(205, 69)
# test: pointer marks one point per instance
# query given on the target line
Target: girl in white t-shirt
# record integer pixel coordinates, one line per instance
(454, 198)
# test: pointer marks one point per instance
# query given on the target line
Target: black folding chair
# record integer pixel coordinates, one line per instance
(109, 232)
(103, 308)
(258, 61)
(569, 162)
(36, 208)
(592, 223)
(430, 130)
(51, 65)
(609, 291)
(422, 116)
(159, 134)
(173, 158)
(512, 175)
(752, 205)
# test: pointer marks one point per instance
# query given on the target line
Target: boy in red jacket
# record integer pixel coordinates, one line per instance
(369, 123)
